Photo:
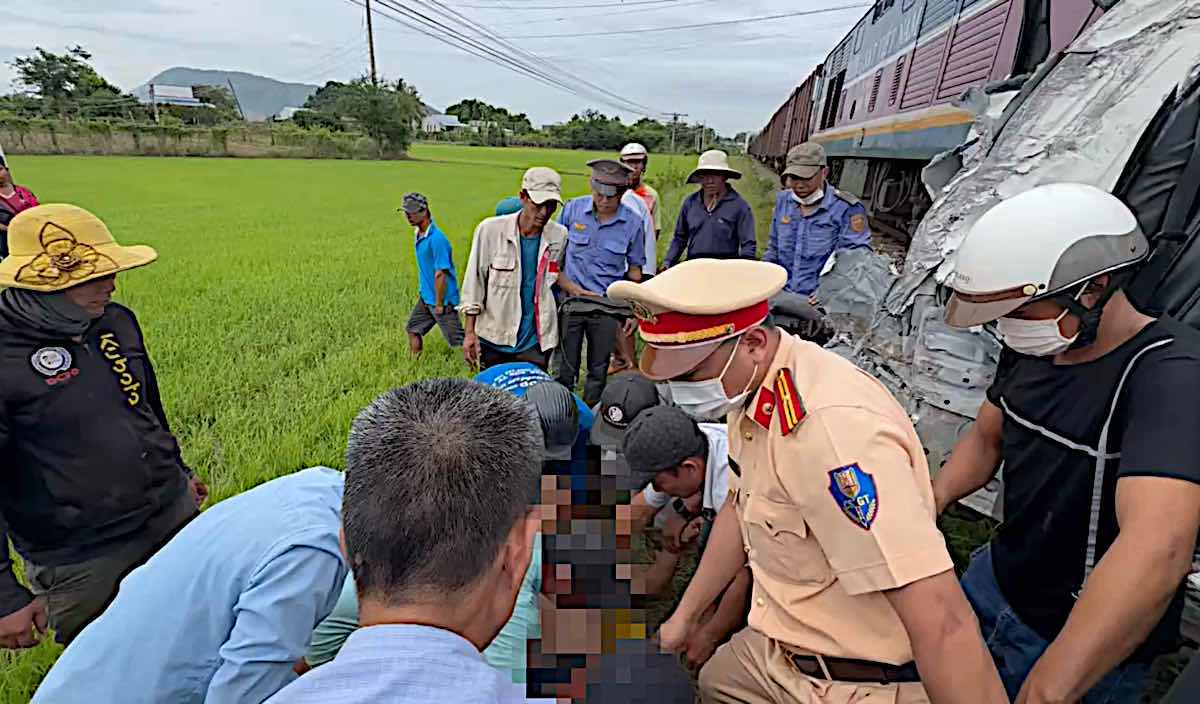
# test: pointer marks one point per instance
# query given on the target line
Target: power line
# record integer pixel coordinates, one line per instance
(490, 35)
(568, 7)
(701, 25)
(610, 13)
(438, 31)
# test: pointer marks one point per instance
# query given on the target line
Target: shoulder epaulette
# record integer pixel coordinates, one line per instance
(848, 197)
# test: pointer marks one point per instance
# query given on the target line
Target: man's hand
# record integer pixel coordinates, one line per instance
(439, 309)
(691, 532)
(629, 327)
(672, 532)
(699, 648)
(1039, 687)
(24, 628)
(199, 490)
(673, 634)
(471, 349)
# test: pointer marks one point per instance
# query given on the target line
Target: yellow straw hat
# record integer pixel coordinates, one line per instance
(55, 246)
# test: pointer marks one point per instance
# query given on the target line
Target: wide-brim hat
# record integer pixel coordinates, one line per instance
(713, 161)
(56, 246)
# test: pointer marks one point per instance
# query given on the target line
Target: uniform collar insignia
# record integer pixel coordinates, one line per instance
(790, 406)
(764, 408)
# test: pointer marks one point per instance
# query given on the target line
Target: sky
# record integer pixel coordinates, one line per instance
(730, 76)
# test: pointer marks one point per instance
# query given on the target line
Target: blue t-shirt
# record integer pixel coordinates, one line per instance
(433, 255)
(527, 331)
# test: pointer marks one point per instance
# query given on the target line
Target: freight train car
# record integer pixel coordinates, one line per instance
(886, 99)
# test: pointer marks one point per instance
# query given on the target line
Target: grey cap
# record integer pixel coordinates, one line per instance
(660, 438)
(610, 172)
(559, 417)
(415, 203)
(805, 160)
(625, 396)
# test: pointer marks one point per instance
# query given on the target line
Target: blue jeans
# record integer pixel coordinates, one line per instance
(1016, 647)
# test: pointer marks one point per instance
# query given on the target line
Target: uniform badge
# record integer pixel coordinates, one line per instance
(580, 226)
(858, 222)
(785, 220)
(641, 312)
(764, 408)
(615, 415)
(790, 407)
(855, 493)
(50, 361)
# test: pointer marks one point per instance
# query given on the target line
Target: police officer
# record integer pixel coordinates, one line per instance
(812, 220)
(853, 589)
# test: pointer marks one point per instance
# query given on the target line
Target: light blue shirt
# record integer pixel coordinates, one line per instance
(599, 254)
(403, 664)
(507, 652)
(222, 612)
(802, 244)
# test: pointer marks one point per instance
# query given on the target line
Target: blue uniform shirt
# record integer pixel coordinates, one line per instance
(220, 614)
(802, 244)
(599, 255)
(433, 255)
(517, 377)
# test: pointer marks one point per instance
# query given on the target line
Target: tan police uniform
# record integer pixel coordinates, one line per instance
(833, 497)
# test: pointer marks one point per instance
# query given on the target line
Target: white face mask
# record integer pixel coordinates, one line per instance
(1037, 338)
(706, 400)
(811, 199)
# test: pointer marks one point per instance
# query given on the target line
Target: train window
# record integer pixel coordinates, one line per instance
(858, 39)
(881, 7)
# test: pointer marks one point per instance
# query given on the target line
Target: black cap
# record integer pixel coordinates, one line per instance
(660, 438)
(625, 396)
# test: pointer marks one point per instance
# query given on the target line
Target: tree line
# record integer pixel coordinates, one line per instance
(66, 87)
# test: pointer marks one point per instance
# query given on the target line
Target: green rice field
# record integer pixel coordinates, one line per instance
(277, 307)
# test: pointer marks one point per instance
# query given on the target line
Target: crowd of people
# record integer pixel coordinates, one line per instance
(477, 547)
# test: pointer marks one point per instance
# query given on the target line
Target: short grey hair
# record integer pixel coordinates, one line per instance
(437, 474)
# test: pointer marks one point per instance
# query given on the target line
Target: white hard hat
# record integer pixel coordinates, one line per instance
(633, 149)
(1039, 244)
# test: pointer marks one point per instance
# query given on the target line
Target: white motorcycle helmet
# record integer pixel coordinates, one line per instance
(1044, 243)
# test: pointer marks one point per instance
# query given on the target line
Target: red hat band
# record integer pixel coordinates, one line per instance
(675, 329)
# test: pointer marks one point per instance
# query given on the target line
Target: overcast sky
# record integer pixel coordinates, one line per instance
(729, 76)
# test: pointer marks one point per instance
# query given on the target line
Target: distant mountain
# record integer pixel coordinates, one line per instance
(260, 97)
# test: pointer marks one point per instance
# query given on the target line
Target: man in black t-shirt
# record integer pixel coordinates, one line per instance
(1094, 416)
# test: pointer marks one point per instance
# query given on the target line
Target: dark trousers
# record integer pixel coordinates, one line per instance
(1016, 647)
(601, 332)
(492, 357)
(77, 593)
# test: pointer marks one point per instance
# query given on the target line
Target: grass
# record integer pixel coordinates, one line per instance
(276, 309)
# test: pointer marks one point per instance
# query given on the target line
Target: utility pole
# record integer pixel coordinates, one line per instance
(675, 123)
(371, 44)
(236, 101)
(154, 103)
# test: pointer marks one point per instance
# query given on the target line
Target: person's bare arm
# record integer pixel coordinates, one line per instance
(729, 616)
(641, 513)
(439, 291)
(1127, 593)
(955, 665)
(974, 460)
(723, 558)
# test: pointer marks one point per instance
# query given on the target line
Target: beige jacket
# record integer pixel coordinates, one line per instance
(491, 283)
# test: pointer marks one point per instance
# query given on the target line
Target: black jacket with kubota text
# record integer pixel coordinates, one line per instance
(86, 456)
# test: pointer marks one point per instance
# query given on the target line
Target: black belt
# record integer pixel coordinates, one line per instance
(847, 670)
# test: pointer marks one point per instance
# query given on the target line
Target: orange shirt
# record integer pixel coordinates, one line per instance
(834, 512)
(650, 197)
